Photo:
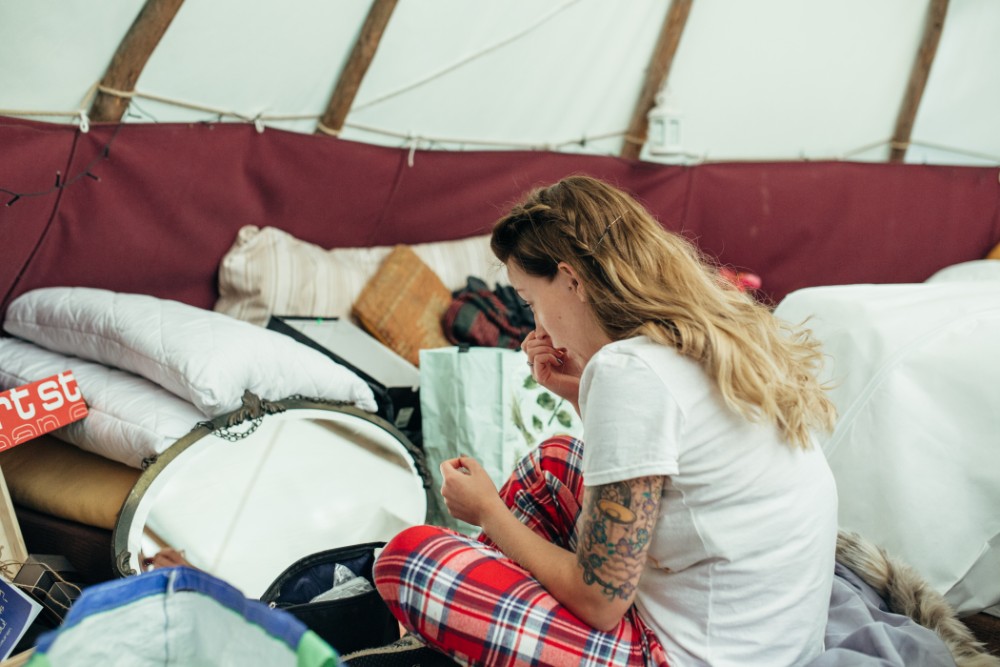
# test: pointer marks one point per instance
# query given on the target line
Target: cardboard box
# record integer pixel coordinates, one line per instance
(12, 549)
(393, 379)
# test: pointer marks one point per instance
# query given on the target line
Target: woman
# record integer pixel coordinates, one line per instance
(697, 526)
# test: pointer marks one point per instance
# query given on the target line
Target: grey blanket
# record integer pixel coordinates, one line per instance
(862, 632)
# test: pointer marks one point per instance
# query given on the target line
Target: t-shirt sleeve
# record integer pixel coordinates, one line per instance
(631, 422)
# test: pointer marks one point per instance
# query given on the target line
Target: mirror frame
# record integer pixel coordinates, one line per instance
(254, 409)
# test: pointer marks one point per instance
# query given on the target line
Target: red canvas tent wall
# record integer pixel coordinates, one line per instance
(153, 208)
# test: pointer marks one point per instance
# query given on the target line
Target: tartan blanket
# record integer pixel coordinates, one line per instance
(484, 318)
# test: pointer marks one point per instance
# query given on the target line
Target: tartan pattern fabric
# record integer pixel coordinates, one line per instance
(464, 597)
(545, 490)
(480, 317)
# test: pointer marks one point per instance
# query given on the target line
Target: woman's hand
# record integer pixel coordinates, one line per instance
(554, 368)
(468, 491)
(166, 557)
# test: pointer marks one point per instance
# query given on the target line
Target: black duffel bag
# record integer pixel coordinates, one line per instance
(348, 624)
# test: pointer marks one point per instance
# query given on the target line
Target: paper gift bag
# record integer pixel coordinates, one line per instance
(483, 402)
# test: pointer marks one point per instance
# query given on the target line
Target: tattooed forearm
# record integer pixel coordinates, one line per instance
(615, 526)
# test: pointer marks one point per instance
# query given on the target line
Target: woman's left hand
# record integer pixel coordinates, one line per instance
(166, 557)
(468, 491)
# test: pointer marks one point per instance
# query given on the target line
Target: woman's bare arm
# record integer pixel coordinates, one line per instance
(598, 582)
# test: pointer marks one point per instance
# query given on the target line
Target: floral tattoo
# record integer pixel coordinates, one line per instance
(615, 527)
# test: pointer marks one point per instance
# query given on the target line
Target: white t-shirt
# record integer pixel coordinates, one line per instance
(741, 561)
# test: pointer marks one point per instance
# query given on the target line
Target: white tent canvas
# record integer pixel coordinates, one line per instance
(761, 80)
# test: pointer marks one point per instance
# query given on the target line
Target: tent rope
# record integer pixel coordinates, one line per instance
(410, 140)
(903, 145)
(467, 59)
(131, 94)
(329, 131)
(80, 113)
(38, 112)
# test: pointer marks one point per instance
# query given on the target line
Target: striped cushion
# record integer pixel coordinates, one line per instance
(270, 272)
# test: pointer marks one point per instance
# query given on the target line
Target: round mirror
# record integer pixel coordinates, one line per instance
(243, 502)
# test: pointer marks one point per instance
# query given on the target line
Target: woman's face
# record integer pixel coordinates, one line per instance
(561, 310)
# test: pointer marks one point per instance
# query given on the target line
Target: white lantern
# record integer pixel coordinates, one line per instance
(664, 134)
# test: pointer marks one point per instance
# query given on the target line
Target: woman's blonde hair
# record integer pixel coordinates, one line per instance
(641, 279)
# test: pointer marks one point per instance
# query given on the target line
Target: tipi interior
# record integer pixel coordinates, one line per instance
(258, 160)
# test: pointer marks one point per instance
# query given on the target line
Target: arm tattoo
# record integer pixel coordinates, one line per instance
(615, 528)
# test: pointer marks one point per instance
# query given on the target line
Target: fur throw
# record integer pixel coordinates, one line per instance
(906, 592)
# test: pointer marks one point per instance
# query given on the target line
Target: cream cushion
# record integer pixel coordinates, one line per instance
(270, 272)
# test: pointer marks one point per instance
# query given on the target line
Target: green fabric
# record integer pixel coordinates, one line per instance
(38, 660)
(314, 652)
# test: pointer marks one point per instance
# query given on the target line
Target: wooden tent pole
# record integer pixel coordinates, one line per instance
(361, 57)
(129, 60)
(918, 80)
(656, 74)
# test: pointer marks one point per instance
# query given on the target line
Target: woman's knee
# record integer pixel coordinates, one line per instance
(560, 457)
(563, 449)
(408, 545)
(409, 539)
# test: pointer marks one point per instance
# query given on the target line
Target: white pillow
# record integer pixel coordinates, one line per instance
(204, 357)
(914, 372)
(270, 272)
(975, 270)
(129, 418)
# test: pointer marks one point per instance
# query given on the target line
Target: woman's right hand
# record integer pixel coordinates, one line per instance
(554, 368)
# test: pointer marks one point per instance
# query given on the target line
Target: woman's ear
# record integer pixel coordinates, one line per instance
(572, 280)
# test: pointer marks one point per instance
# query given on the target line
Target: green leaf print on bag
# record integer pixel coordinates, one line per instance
(546, 401)
(538, 414)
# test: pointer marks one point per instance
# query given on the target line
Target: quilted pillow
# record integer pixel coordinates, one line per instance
(54, 477)
(129, 418)
(270, 272)
(402, 305)
(206, 358)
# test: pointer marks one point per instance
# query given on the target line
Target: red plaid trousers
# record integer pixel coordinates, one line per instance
(466, 598)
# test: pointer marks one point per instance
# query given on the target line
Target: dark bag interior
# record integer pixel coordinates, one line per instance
(349, 624)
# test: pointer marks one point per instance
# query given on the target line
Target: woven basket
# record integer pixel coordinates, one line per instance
(402, 304)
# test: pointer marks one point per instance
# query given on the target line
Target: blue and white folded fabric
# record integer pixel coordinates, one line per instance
(178, 616)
